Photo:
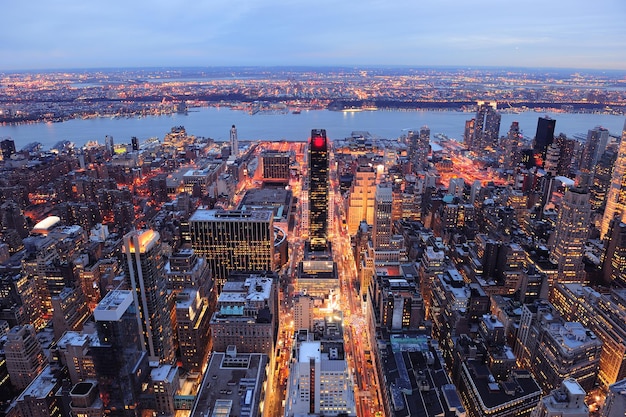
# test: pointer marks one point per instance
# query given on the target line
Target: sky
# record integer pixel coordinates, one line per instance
(61, 34)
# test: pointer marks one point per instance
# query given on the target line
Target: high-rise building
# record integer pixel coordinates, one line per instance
(318, 189)
(487, 126)
(468, 134)
(234, 142)
(361, 198)
(39, 399)
(320, 382)
(382, 228)
(615, 403)
(24, 356)
(120, 359)
(192, 325)
(543, 138)
(69, 311)
(146, 276)
(233, 240)
(614, 259)
(616, 195)
(597, 140)
(566, 401)
(7, 148)
(276, 166)
(570, 235)
(419, 147)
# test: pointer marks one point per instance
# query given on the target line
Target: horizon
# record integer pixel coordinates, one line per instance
(41, 35)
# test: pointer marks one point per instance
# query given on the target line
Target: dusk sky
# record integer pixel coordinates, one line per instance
(44, 34)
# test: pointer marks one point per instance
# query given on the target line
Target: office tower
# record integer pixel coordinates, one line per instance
(134, 144)
(192, 325)
(605, 315)
(468, 133)
(566, 401)
(234, 142)
(602, 180)
(85, 400)
(12, 218)
(615, 402)
(69, 311)
(614, 258)
(318, 189)
(185, 269)
(511, 147)
(24, 356)
(543, 138)
(320, 382)
(566, 350)
(40, 398)
(74, 352)
(109, 144)
(487, 126)
(146, 277)
(7, 148)
(419, 147)
(361, 198)
(165, 384)
(597, 140)
(246, 315)
(233, 240)
(276, 166)
(303, 308)
(119, 358)
(401, 306)
(616, 195)
(570, 235)
(382, 228)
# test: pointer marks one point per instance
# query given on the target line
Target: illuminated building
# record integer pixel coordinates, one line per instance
(568, 400)
(597, 140)
(146, 275)
(605, 315)
(616, 195)
(192, 327)
(571, 232)
(119, 358)
(320, 382)
(486, 127)
(614, 257)
(543, 138)
(233, 240)
(361, 198)
(69, 311)
(246, 315)
(7, 148)
(602, 180)
(468, 134)
(186, 270)
(234, 142)
(318, 189)
(74, 352)
(25, 358)
(382, 227)
(39, 399)
(276, 166)
(419, 147)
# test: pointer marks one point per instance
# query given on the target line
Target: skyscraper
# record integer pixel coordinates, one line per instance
(146, 276)
(570, 235)
(419, 146)
(382, 228)
(361, 198)
(616, 196)
(487, 126)
(543, 138)
(234, 142)
(597, 140)
(318, 189)
(233, 240)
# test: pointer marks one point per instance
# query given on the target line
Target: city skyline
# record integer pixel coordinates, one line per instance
(558, 34)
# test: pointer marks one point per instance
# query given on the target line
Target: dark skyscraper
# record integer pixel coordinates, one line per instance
(318, 189)
(7, 147)
(543, 138)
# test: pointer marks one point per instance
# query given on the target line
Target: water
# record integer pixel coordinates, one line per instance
(216, 122)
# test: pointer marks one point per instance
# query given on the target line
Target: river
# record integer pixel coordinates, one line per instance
(216, 122)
